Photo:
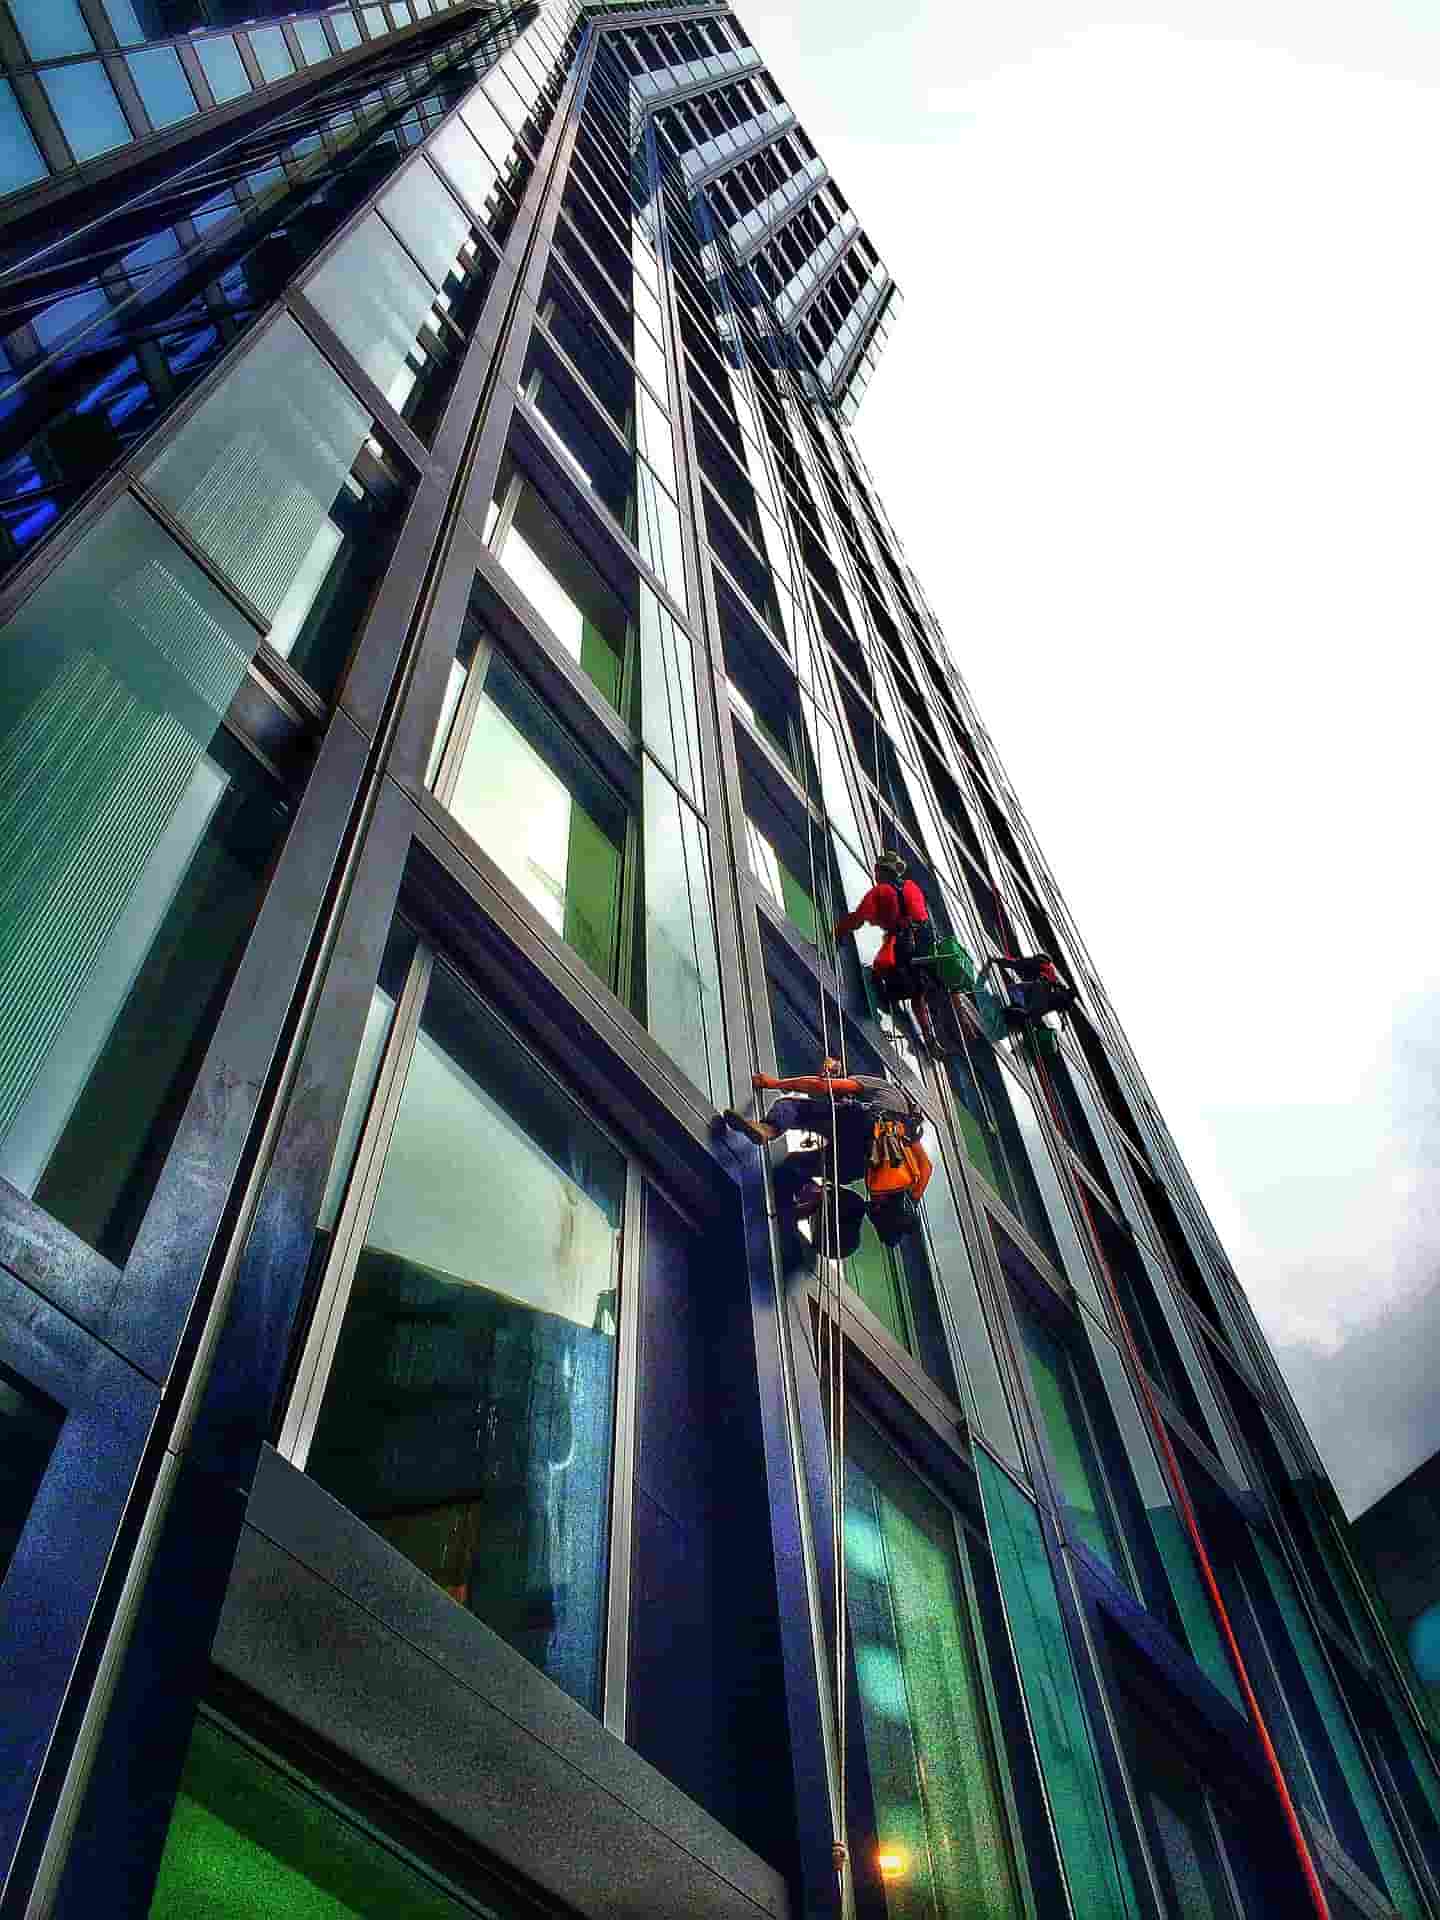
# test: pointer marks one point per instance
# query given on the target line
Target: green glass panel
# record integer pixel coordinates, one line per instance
(944, 1851)
(1081, 1481)
(246, 1839)
(581, 609)
(1344, 1743)
(468, 1415)
(874, 1273)
(1063, 1233)
(1094, 1865)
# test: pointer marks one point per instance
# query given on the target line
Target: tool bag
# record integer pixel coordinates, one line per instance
(898, 1163)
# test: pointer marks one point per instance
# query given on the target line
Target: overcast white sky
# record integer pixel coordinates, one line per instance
(1160, 426)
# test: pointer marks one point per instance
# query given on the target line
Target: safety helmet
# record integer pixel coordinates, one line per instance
(890, 864)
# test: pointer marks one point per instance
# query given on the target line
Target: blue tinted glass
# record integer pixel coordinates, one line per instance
(375, 21)
(121, 15)
(86, 107)
(150, 253)
(158, 74)
(20, 161)
(271, 53)
(52, 27)
(347, 29)
(62, 317)
(313, 44)
(224, 68)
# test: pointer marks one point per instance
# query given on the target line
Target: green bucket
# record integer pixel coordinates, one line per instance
(951, 965)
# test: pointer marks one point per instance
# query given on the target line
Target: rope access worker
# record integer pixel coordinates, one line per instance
(897, 906)
(870, 1130)
(1036, 988)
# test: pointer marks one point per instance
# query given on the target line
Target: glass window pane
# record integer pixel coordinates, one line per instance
(314, 47)
(346, 29)
(943, 1847)
(20, 161)
(86, 107)
(1081, 1480)
(657, 532)
(467, 1416)
(272, 56)
(135, 844)
(1100, 1884)
(583, 612)
(247, 1838)
(465, 162)
(668, 719)
(224, 68)
(427, 220)
(51, 28)
(375, 21)
(682, 969)
(29, 1427)
(263, 476)
(549, 822)
(161, 81)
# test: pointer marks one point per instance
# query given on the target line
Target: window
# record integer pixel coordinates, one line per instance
(1189, 1835)
(942, 1848)
(406, 322)
(86, 107)
(20, 161)
(584, 611)
(250, 1835)
(125, 916)
(223, 67)
(161, 81)
(1075, 1445)
(543, 813)
(52, 28)
(466, 1414)
(29, 1428)
(788, 894)
(278, 479)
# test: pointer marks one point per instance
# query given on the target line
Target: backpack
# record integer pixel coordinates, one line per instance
(898, 1163)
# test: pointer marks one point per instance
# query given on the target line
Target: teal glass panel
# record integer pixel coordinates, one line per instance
(20, 158)
(272, 56)
(1073, 1445)
(1093, 1861)
(682, 967)
(261, 478)
(943, 1846)
(876, 1275)
(161, 81)
(314, 47)
(86, 107)
(531, 799)
(346, 29)
(29, 1427)
(1344, 1742)
(223, 67)
(468, 1413)
(668, 720)
(248, 1838)
(982, 1390)
(134, 844)
(51, 28)
(1166, 1526)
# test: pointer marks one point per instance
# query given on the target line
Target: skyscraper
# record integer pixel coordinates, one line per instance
(457, 671)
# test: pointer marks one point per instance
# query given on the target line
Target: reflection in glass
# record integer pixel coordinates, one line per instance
(789, 895)
(581, 609)
(544, 815)
(1073, 1444)
(467, 1416)
(276, 478)
(940, 1826)
(682, 968)
(162, 85)
(223, 67)
(51, 28)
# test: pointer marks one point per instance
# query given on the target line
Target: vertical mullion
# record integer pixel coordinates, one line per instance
(622, 1469)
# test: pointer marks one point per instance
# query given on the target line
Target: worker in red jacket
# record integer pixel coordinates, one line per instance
(897, 906)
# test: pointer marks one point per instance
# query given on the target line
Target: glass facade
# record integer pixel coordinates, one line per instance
(459, 669)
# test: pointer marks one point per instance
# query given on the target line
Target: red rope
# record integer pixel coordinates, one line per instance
(1207, 1572)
